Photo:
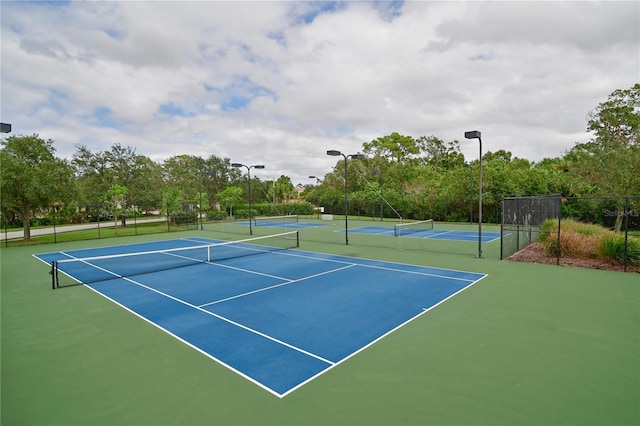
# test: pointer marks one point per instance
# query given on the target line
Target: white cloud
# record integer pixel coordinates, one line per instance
(313, 76)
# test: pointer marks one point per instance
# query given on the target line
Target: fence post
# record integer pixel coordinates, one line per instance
(558, 245)
(55, 235)
(626, 233)
(502, 231)
(98, 210)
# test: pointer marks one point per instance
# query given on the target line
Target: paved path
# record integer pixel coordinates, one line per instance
(67, 228)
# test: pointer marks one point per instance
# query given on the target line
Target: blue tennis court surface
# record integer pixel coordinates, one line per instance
(436, 234)
(278, 318)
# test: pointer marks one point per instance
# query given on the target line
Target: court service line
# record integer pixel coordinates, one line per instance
(437, 234)
(288, 253)
(277, 285)
(230, 267)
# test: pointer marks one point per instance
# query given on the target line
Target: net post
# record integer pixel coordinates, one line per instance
(53, 276)
(502, 230)
(298, 239)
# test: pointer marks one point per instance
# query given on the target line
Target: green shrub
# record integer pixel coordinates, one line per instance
(243, 213)
(216, 215)
(612, 247)
(299, 208)
(548, 230)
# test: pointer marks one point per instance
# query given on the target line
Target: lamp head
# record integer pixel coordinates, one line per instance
(474, 134)
(357, 156)
(237, 165)
(333, 152)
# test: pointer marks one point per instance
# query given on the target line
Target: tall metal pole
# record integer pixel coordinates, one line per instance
(200, 208)
(334, 153)
(346, 203)
(474, 134)
(470, 195)
(480, 202)
(249, 188)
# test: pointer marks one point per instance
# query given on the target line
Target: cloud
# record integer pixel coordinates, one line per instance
(279, 83)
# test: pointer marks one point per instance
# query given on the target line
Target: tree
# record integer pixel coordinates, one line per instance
(183, 172)
(93, 173)
(283, 189)
(32, 177)
(394, 147)
(97, 172)
(611, 160)
(229, 197)
(216, 174)
(438, 155)
(116, 198)
(171, 203)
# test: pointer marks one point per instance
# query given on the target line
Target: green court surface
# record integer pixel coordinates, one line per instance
(527, 345)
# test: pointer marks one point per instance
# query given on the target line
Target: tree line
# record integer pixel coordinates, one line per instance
(400, 176)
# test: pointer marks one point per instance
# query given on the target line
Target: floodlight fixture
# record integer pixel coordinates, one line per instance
(473, 134)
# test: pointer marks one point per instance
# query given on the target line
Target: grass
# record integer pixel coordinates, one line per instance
(527, 345)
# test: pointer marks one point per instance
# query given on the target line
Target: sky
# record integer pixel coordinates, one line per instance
(279, 83)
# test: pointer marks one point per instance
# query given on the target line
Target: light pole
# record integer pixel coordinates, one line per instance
(257, 166)
(335, 153)
(475, 134)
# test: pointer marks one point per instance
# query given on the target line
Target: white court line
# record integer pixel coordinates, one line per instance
(212, 314)
(385, 268)
(424, 311)
(437, 234)
(278, 285)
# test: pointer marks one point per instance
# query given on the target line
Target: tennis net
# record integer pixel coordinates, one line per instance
(282, 220)
(102, 268)
(413, 227)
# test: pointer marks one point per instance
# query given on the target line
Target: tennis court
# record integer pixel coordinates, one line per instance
(276, 315)
(282, 221)
(425, 229)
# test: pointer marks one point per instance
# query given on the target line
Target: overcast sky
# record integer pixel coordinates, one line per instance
(280, 83)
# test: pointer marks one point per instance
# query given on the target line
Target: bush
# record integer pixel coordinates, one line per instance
(588, 241)
(572, 244)
(572, 225)
(216, 215)
(612, 247)
(299, 208)
(548, 230)
(243, 213)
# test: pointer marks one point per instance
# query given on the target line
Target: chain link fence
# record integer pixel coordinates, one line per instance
(97, 221)
(600, 230)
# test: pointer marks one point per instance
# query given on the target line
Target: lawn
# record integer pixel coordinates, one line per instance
(527, 345)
